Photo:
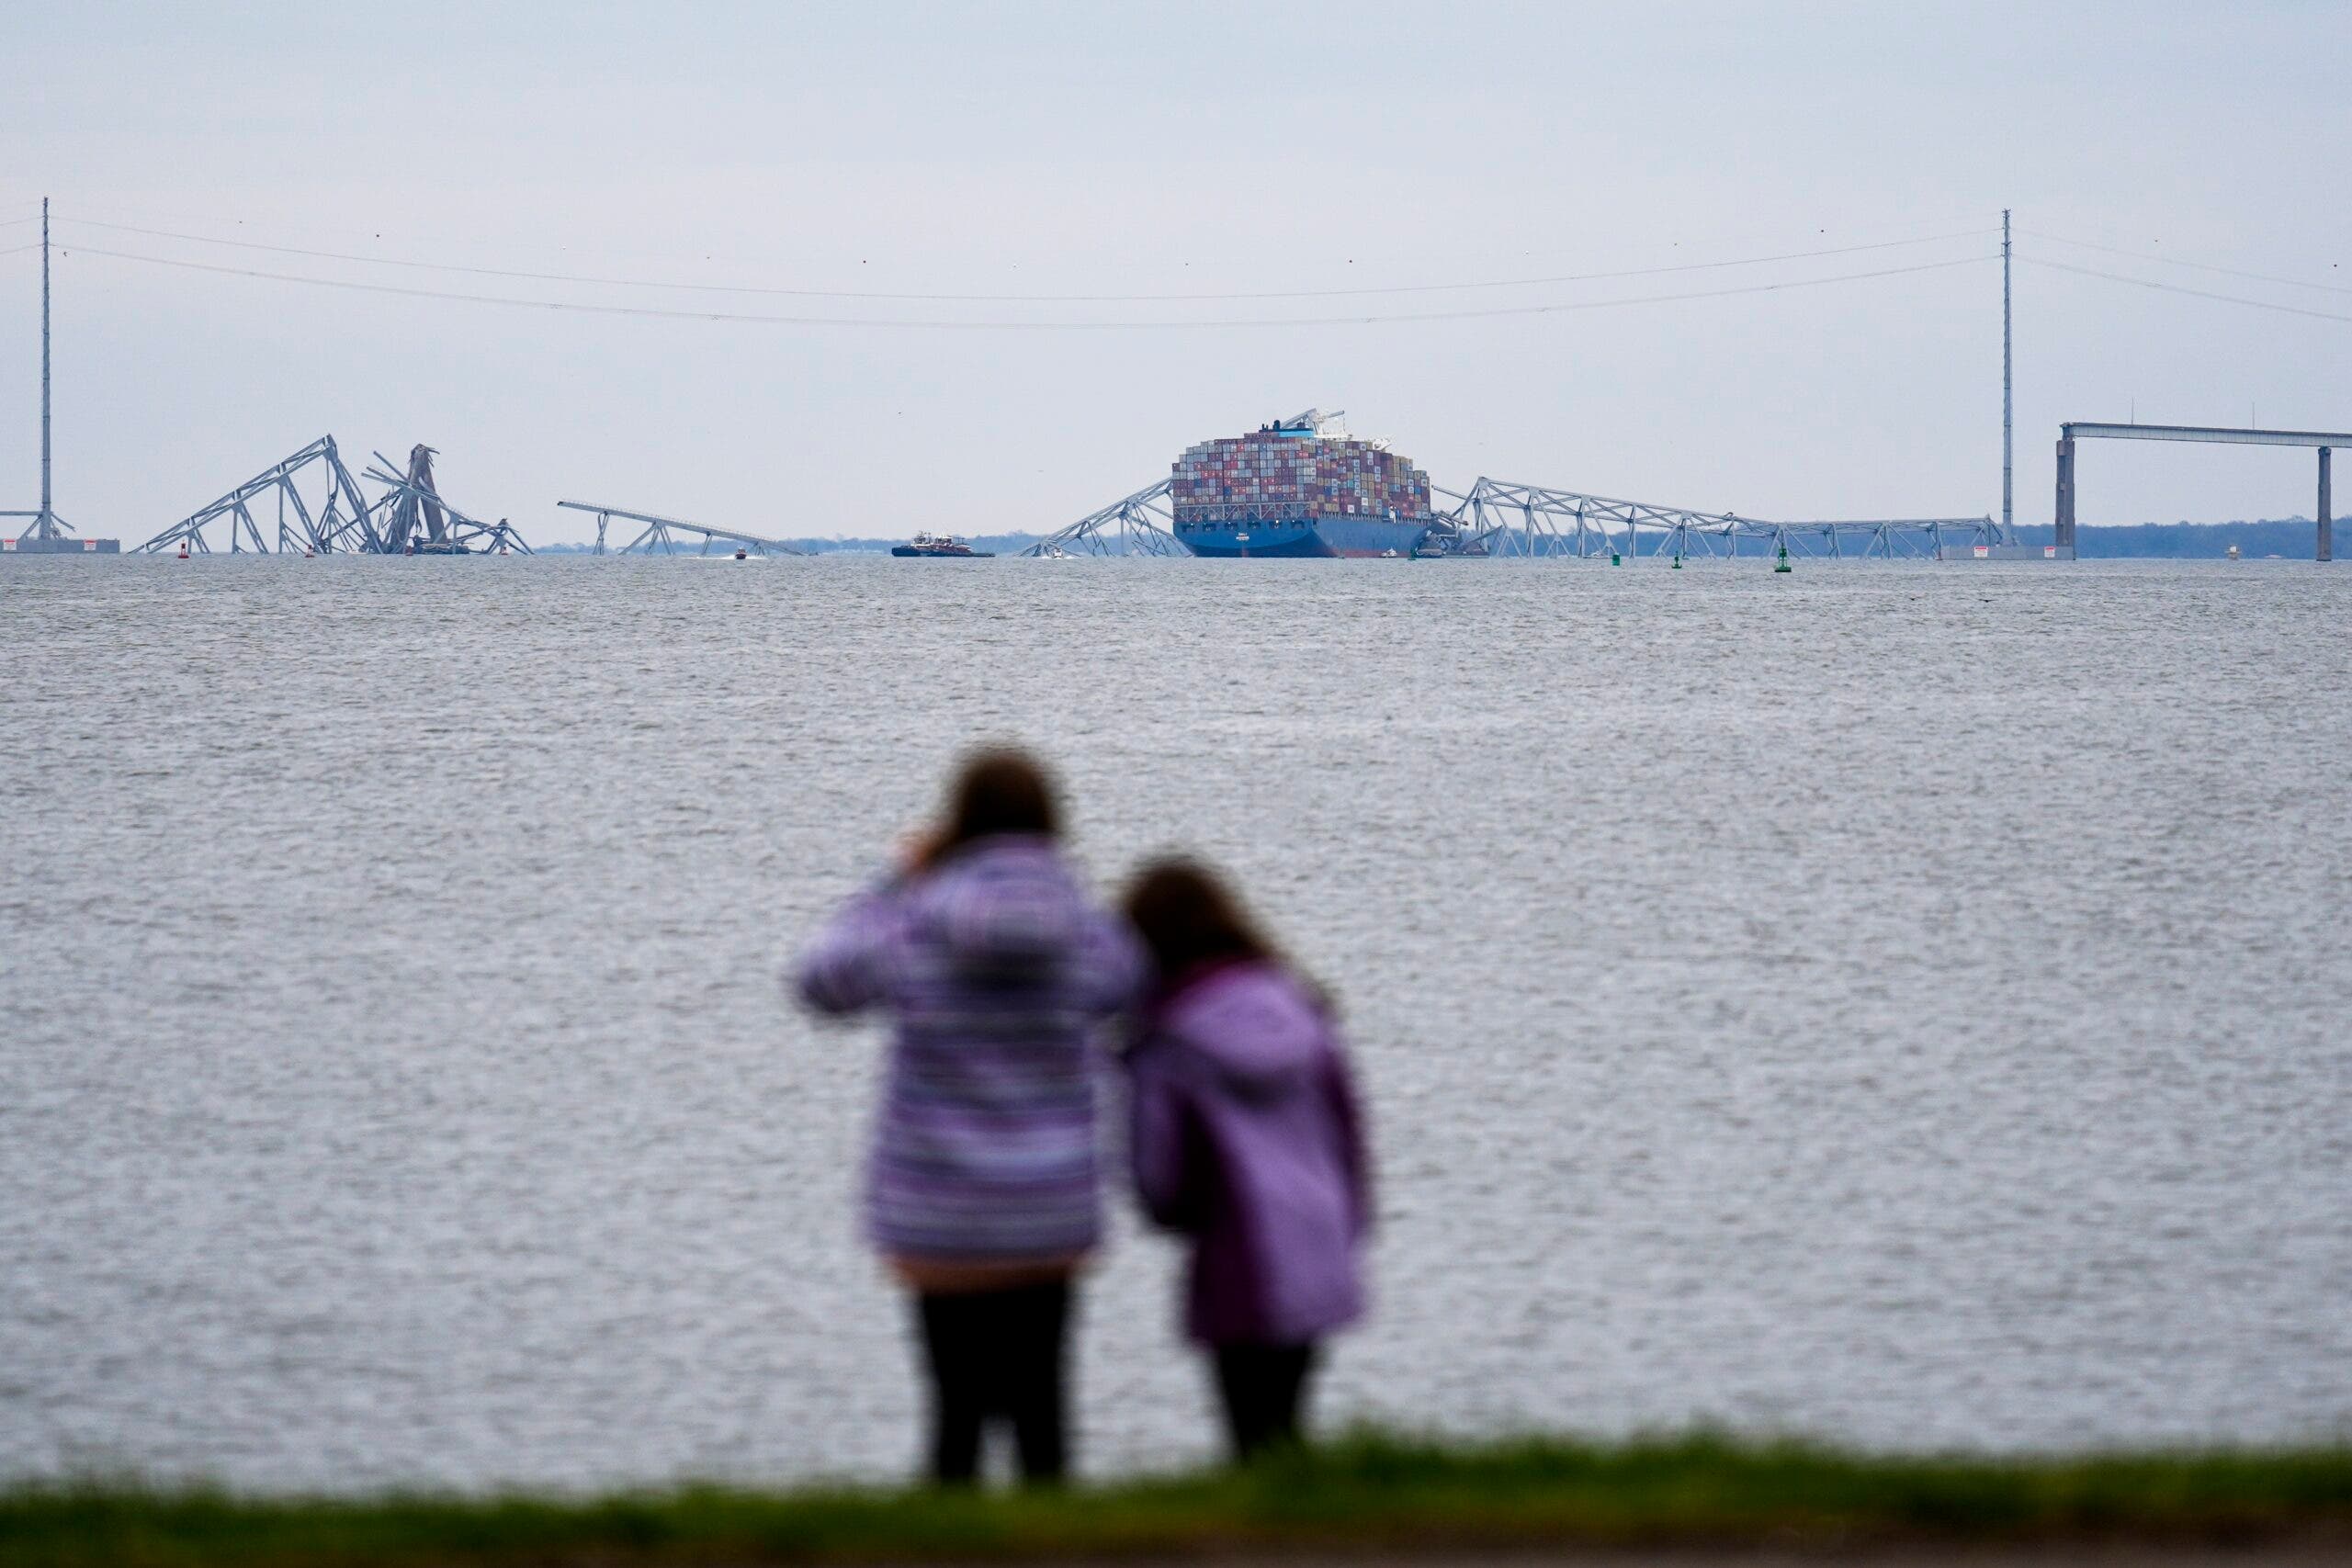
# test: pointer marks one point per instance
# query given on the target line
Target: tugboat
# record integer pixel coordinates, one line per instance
(932, 547)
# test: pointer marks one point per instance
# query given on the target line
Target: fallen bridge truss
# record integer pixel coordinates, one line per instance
(412, 518)
(272, 506)
(309, 503)
(1511, 519)
(1139, 525)
(1503, 518)
(660, 533)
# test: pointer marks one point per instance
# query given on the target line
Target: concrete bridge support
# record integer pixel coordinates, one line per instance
(2065, 518)
(2326, 548)
(2326, 441)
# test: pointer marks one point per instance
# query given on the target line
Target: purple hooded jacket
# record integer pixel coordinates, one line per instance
(998, 972)
(1246, 1138)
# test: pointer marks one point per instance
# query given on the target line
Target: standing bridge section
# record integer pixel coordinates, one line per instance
(2326, 441)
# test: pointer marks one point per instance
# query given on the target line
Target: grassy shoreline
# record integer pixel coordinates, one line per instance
(1366, 1494)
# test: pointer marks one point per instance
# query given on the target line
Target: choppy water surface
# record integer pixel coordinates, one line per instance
(1905, 1005)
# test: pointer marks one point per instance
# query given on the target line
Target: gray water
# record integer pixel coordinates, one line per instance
(1899, 1005)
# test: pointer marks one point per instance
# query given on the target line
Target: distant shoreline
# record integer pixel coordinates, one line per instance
(1364, 1498)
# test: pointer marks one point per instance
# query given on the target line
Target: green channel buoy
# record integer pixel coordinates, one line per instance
(1782, 564)
(1678, 563)
(1613, 559)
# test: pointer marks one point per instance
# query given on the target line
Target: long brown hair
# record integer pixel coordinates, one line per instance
(1188, 916)
(999, 790)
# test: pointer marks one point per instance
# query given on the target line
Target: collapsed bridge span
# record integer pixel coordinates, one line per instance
(311, 505)
(1500, 518)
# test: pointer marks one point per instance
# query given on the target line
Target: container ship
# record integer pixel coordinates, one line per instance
(1298, 487)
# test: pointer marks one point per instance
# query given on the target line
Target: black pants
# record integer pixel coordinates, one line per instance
(1262, 1387)
(996, 1355)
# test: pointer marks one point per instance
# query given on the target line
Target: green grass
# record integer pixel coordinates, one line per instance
(1368, 1492)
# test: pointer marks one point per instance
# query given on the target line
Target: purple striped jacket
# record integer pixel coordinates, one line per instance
(998, 972)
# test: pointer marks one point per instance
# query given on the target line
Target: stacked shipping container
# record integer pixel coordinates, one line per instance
(1279, 475)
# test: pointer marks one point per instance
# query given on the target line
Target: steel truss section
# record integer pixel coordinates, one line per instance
(412, 518)
(1139, 525)
(658, 532)
(271, 512)
(336, 517)
(1531, 520)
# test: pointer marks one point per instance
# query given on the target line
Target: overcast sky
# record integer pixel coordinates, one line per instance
(1124, 150)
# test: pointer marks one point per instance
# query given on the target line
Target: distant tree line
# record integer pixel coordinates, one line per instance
(2290, 537)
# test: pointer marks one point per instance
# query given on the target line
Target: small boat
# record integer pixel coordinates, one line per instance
(938, 546)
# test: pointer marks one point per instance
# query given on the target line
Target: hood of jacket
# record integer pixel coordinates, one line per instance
(1254, 1024)
(1004, 905)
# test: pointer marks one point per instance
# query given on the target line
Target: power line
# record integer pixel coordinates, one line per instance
(1022, 298)
(2201, 266)
(2178, 288)
(1012, 325)
(172, 224)
(19, 250)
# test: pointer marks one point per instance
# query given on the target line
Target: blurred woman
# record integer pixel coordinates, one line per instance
(1246, 1138)
(982, 1192)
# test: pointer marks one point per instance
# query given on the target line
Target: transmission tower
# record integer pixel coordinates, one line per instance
(48, 534)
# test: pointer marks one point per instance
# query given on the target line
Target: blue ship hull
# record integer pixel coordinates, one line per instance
(1313, 537)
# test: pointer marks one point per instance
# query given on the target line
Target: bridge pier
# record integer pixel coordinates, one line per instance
(2326, 542)
(2323, 441)
(2065, 536)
